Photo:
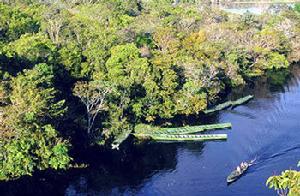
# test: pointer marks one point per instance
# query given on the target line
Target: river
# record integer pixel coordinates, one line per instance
(268, 128)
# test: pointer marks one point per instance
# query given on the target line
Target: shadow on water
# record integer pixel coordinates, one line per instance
(108, 173)
(116, 173)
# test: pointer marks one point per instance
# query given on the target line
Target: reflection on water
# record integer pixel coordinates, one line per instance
(266, 128)
(108, 172)
(111, 174)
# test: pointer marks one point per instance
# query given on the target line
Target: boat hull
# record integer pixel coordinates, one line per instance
(235, 175)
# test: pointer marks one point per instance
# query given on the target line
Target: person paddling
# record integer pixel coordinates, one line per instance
(244, 165)
(238, 169)
(241, 167)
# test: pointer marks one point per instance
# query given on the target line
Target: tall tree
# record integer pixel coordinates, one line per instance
(94, 96)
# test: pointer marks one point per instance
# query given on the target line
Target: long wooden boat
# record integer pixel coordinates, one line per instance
(192, 129)
(229, 104)
(183, 137)
(242, 100)
(182, 130)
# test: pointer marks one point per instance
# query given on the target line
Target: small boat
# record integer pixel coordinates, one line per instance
(234, 175)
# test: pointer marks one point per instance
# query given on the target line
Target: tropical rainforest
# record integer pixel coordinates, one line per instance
(73, 75)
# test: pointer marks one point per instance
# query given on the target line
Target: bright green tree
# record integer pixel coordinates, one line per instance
(29, 141)
(287, 183)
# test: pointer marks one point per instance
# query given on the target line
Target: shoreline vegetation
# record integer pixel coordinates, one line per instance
(83, 73)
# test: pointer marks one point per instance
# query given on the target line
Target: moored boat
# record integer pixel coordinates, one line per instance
(183, 137)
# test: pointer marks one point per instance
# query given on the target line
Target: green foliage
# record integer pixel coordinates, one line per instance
(288, 183)
(14, 23)
(160, 89)
(249, 20)
(277, 77)
(33, 92)
(30, 143)
(34, 148)
(32, 49)
(191, 99)
(71, 58)
(297, 7)
(128, 71)
(273, 40)
(145, 39)
(277, 61)
(125, 67)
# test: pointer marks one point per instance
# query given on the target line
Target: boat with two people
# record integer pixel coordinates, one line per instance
(239, 171)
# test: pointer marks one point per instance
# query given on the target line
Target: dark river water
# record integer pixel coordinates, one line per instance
(268, 128)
